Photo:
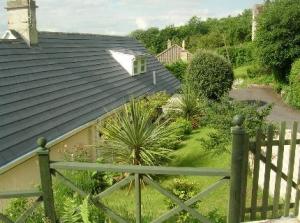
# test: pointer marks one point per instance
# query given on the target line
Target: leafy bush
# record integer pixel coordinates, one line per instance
(216, 142)
(19, 205)
(215, 217)
(238, 55)
(210, 74)
(258, 70)
(178, 69)
(211, 40)
(181, 127)
(294, 89)
(278, 35)
(183, 189)
(219, 115)
(153, 103)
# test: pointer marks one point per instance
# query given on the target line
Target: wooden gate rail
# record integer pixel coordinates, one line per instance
(155, 170)
(21, 194)
(255, 147)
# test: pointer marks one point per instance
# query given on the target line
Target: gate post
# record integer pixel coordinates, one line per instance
(46, 180)
(238, 141)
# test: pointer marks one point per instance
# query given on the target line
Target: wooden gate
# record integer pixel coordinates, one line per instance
(270, 164)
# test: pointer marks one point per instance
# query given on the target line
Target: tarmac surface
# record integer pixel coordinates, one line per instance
(266, 95)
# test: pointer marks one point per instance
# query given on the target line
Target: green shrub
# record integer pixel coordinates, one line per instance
(210, 74)
(219, 115)
(154, 103)
(183, 189)
(294, 89)
(181, 127)
(215, 217)
(178, 69)
(258, 70)
(278, 35)
(216, 142)
(238, 55)
(18, 206)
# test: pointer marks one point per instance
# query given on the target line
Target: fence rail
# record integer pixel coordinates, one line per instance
(138, 174)
(262, 149)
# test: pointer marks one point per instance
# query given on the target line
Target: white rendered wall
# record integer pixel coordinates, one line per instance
(125, 60)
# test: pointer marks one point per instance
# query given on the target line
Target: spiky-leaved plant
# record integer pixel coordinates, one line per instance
(189, 103)
(133, 137)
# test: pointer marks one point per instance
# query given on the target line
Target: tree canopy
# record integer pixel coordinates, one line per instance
(198, 33)
(278, 35)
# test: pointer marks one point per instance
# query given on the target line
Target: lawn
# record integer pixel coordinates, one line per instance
(190, 154)
(262, 79)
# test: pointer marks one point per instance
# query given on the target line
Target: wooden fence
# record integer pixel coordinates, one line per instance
(263, 149)
(241, 147)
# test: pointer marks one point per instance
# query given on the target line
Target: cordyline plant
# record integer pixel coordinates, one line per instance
(133, 138)
(189, 103)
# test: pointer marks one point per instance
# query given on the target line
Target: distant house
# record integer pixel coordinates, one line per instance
(174, 53)
(60, 85)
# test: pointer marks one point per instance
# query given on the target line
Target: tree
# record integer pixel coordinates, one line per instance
(133, 138)
(178, 68)
(278, 35)
(210, 74)
(148, 37)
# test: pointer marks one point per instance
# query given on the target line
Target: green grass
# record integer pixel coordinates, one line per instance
(190, 154)
(261, 79)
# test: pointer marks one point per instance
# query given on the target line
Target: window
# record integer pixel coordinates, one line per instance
(139, 66)
(135, 67)
(143, 65)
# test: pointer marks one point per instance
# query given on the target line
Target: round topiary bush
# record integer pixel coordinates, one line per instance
(210, 74)
(294, 91)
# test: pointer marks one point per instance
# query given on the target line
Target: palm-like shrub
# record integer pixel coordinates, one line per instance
(134, 138)
(189, 103)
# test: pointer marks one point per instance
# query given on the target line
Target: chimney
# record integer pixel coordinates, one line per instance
(169, 44)
(22, 19)
(183, 44)
(255, 13)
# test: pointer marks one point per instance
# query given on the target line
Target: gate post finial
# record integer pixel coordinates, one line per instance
(238, 140)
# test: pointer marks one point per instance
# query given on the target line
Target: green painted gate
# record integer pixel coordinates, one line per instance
(262, 203)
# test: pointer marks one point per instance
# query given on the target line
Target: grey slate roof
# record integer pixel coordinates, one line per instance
(63, 83)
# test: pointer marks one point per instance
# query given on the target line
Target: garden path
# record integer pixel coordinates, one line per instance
(280, 112)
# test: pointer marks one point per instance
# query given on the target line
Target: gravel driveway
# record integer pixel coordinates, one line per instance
(280, 111)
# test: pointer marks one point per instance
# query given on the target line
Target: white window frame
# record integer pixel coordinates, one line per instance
(137, 63)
